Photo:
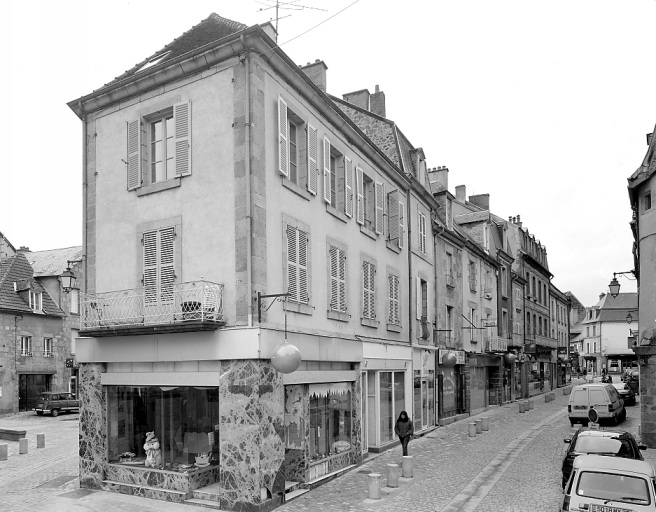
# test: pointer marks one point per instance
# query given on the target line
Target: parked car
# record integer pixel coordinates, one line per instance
(626, 393)
(632, 378)
(602, 397)
(600, 442)
(56, 402)
(610, 484)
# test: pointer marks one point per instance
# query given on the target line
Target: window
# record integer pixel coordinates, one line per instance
(159, 146)
(472, 276)
(449, 326)
(338, 179)
(330, 418)
(393, 297)
(422, 232)
(74, 295)
(47, 347)
(504, 323)
(368, 290)
(297, 149)
(396, 212)
(159, 266)
(337, 257)
(594, 331)
(36, 300)
(646, 201)
(26, 346)
(504, 281)
(74, 334)
(450, 279)
(298, 247)
(369, 202)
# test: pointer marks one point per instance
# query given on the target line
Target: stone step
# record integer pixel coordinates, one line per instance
(290, 486)
(329, 476)
(204, 503)
(295, 494)
(151, 492)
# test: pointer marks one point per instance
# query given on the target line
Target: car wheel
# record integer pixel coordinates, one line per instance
(40, 413)
(55, 412)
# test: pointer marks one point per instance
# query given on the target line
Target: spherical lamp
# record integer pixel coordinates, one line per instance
(449, 359)
(287, 358)
(510, 358)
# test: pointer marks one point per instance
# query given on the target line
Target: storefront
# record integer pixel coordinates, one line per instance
(451, 383)
(486, 376)
(424, 396)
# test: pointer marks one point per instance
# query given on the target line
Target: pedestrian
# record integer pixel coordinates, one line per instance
(404, 430)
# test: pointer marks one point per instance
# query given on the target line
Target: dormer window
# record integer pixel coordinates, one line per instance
(36, 301)
(154, 61)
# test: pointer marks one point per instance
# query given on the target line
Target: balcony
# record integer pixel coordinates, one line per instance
(190, 306)
(545, 341)
(496, 344)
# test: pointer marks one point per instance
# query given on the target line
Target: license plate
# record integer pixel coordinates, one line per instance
(580, 407)
(604, 508)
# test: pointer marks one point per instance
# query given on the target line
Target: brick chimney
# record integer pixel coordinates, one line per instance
(461, 193)
(23, 248)
(481, 200)
(377, 103)
(317, 73)
(358, 98)
(440, 177)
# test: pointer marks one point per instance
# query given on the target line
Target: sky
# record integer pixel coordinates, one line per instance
(543, 104)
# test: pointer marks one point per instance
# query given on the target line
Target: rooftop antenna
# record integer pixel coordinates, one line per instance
(291, 5)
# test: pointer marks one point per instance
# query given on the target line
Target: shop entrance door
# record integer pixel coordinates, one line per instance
(29, 387)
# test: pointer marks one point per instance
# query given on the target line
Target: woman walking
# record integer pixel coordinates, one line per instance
(404, 430)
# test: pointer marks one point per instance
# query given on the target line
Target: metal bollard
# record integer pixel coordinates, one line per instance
(40, 440)
(479, 426)
(392, 475)
(407, 466)
(486, 423)
(3, 451)
(521, 407)
(472, 429)
(531, 404)
(374, 486)
(22, 445)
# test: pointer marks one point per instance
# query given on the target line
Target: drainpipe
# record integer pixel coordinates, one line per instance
(247, 124)
(411, 276)
(84, 191)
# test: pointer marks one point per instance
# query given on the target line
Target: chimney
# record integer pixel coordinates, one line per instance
(439, 176)
(514, 220)
(510, 219)
(481, 200)
(269, 30)
(358, 98)
(317, 73)
(519, 222)
(22, 248)
(377, 103)
(461, 193)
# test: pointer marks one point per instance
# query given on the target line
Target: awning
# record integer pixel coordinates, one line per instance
(620, 352)
(589, 356)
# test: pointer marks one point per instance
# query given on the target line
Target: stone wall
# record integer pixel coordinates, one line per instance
(93, 426)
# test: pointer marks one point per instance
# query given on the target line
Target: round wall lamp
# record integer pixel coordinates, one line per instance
(287, 358)
(510, 358)
(449, 359)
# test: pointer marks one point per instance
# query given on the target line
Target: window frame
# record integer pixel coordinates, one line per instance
(35, 299)
(48, 347)
(26, 346)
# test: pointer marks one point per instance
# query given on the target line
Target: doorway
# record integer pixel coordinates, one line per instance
(29, 387)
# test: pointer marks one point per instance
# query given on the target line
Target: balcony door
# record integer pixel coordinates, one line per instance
(159, 275)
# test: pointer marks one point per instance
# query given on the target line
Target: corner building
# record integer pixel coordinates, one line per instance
(216, 173)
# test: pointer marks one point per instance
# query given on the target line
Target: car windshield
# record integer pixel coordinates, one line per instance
(606, 445)
(610, 486)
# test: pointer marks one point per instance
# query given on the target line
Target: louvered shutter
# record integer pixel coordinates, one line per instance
(341, 276)
(419, 304)
(134, 155)
(380, 210)
(182, 124)
(393, 293)
(429, 305)
(149, 242)
(283, 138)
(327, 193)
(303, 284)
(372, 290)
(334, 280)
(166, 264)
(422, 232)
(312, 160)
(401, 225)
(366, 308)
(359, 186)
(292, 264)
(393, 216)
(348, 170)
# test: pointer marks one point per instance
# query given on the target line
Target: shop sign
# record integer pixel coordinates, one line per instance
(460, 355)
(70, 363)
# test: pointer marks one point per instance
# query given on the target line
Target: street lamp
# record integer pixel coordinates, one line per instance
(629, 317)
(614, 285)
(68, 276)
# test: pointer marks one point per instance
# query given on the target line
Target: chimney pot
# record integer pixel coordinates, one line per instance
(317, 73)
(461, 193)
(377, 102)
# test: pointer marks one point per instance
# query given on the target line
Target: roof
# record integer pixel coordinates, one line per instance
(18, 269)
(622, 301)
(466, 218)
(211, 29)
(54, 261)
(648, 166)
(602, 463)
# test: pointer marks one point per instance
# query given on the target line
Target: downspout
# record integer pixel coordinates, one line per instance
(247, 124)
(410, 273)
(84, 192)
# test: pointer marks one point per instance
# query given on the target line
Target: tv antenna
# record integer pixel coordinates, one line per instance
(291, 5)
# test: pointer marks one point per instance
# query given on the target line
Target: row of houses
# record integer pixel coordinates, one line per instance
(235, 210)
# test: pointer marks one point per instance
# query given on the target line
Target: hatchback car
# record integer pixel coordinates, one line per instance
(56, 402)
(610, 484)
(626, 393)
(600, 442)
(603, 398)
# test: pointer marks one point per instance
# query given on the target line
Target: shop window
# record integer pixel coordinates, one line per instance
(330, 419)
(392, 402)
(184, 419)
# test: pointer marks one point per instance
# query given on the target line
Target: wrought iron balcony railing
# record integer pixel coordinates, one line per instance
(177, 306)
(496, 344)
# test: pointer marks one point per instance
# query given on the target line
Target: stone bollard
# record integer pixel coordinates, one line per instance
(392, 475)
(486, 423)
(521, 407)
(408, 466)
(3, 451)
(479, 426)
(531, 405)
(472, 429)
(40, 440)
(374, 486)
(22, 445)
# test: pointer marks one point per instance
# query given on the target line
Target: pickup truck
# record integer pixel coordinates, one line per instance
(55, 402)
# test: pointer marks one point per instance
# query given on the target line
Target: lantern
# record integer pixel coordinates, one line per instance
(287, 358)
(449, 359)
(510, 358)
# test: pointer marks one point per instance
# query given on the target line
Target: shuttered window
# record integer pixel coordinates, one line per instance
(368, 290)
(422, 232)
(159, 266)
(337, 279)
(327, 192)
(401, 224)
(359, 188)
(283, 138)
(393, 223)
(182, 124)
(379, 206)
(393, 298)
(312, 160)
(348, 164)
(297, 265)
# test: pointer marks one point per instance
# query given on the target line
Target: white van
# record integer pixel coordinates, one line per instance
(602, 397)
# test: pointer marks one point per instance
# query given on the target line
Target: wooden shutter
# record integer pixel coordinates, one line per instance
(419, 304)
(359, 187)
(337, 279)
(327, 193)
(393, 299)
(393, 216)
(283, 138)
(303, 283)
(341, 276)
(292, 263)
(312, 160)
(149, 242)
(401, 225)
(380, 209)
(348, 171)
(422, 232)
(182, 127)
(166, 264)
(134, 155)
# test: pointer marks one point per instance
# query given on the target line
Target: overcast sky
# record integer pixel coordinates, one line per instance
(545, 105)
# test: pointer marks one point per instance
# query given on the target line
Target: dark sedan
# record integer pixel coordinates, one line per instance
(626, 393)
(600, 442)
